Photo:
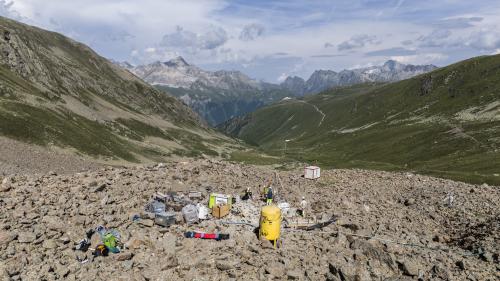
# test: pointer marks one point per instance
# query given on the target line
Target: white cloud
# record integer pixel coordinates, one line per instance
(245, 35)
(358, 41)
(152, 54)
(429, 58)
(210, 38)
(328, 45)
(251, 32)
(282, 77)
(485, 39)
(6, 10)
(437, 38)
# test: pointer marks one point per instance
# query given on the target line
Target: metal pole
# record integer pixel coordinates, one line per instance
(284, 151)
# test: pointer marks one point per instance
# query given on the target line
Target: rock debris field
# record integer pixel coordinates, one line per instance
(391, 226)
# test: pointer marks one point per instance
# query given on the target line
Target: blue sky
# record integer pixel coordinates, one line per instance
(270, 40)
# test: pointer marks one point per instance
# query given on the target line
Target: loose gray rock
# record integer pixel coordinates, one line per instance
(409, 202)
(460, 264)
(147, 222)
(275, 269)
(6, 237)
(49, 244)
(294, 274)
(100, 188)
(128, 264)
(60, 210)
(123, 256)
(409, 267)
(487, 256)
(26, 237)
(224, 265)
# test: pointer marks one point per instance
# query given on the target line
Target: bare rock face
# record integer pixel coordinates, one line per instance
(377, 236)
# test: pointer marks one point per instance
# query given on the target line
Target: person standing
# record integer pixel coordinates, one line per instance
(269, 196)
(303, 206)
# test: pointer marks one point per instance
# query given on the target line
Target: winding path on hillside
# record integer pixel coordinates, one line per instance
(323, 115)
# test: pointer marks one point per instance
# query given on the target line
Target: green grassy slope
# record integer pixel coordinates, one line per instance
(445, 123)
(55, 91)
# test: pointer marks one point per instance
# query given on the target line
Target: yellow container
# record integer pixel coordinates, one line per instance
(270, 223)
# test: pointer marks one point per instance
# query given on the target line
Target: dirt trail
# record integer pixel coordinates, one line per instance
(323, 115)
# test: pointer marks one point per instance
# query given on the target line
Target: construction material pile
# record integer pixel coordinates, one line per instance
(385, 226)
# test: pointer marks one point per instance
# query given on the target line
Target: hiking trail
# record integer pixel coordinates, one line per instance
(323, 115)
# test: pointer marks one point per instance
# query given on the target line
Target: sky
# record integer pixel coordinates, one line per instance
(271, 40)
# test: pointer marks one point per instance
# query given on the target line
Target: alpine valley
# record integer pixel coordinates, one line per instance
(445, 123)
(221, 95)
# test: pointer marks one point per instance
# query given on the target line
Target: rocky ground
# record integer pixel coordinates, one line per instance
(392, 226)
(19, 157)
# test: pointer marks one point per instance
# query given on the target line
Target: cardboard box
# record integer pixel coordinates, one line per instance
(220, 211)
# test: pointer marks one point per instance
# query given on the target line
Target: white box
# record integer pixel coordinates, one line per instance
(312, 172)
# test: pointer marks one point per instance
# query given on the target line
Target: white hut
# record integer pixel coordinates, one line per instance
(312, 172)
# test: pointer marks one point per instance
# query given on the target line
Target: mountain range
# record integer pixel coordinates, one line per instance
(57, 92)
(220, 95)
(445, 122)
(216, 95)
(321, 80)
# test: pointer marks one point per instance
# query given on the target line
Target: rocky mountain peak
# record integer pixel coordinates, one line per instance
(320, 80)
(391, 64)
(177, 62)
(293, 81)
(322, 72)
(294, 84)
(124, 64)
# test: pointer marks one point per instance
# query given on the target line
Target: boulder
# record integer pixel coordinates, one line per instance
(49, 244)
(275, 269)
(6, 237)
(123, 256)
(53, 223)
(294, 274)
(134, 243)
(408, 267)
(460, 264)
(147, 222)
(6, 184)
(224, 265)
(409, 202)
(100, 187)
(26, 237)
